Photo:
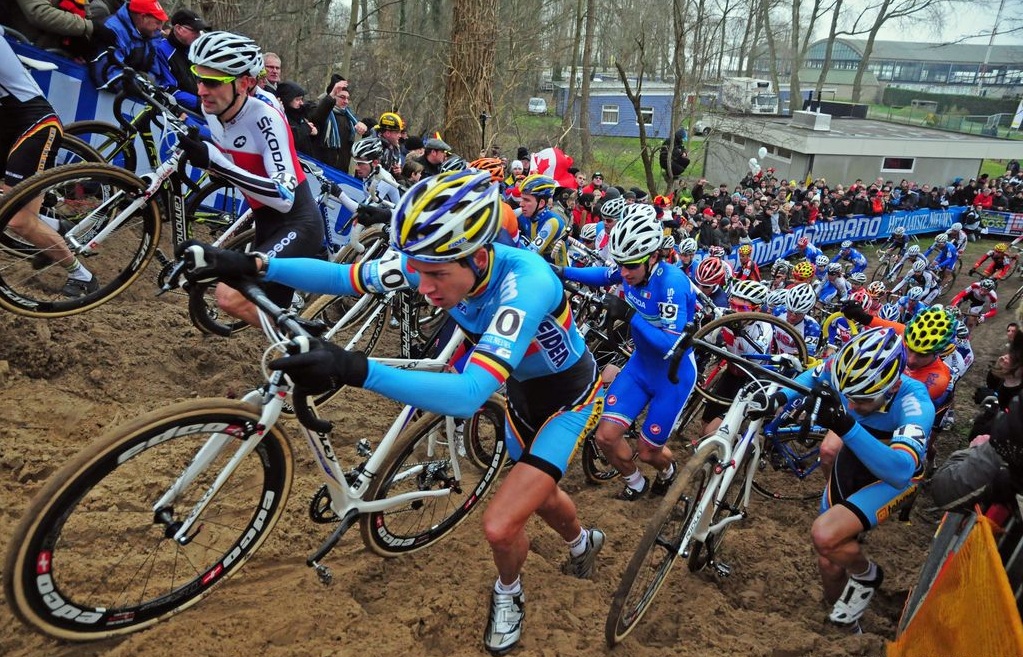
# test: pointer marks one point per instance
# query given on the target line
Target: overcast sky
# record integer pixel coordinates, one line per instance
(977, 17)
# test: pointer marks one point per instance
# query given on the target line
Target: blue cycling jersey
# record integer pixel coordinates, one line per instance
(945, 256)
(905, 422)
(858, 260)
(517, 315)
(539, 233)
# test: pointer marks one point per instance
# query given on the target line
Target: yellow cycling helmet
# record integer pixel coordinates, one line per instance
(447, 217)
(930, 331)
(538, 185)
(803, 271)
(1001, 247)
(870, 364)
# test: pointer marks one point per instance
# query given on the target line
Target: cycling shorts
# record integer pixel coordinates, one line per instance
(728, 386)
(29, 138)
(635, 387)
(295, 234)
(547, 417)
(856, 488)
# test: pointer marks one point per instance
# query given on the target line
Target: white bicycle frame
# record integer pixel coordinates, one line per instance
(733, 447)
(344, 498)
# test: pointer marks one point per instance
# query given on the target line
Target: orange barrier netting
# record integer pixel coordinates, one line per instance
(970, 609)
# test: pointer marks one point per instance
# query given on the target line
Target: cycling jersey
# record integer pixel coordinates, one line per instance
(882, 453)
(1000, 266)
(811, 253)
(524, 335)
(924, 279)
(858, 260)
(960, 360)
(834, 290)
(908, 308)
(944, 256)
(664, 305)
(898, 243)
(976, 295)
(959, 240)
(539, 233)
(747, 271)
(808, 327)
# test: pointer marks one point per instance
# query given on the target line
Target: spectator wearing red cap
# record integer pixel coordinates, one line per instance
(186, 26)
(136, 26)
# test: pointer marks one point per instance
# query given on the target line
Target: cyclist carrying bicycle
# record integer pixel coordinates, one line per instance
(29, 139)
(977, 294)
(377, 182)
(1001, 263)
(884, 419)
(515, 310)
(665, 302)
(852, 256)
(255, 152)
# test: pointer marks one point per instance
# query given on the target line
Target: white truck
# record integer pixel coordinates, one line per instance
(749, 96)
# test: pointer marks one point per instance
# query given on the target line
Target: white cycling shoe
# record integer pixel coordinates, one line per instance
(855, 599)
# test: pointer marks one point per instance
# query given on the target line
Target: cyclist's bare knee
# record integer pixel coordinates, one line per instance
(609, 434)
(830, 447)
(608, 374)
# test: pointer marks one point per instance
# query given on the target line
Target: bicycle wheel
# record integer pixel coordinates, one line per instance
(738, 325)
(1014, 299)
(882, 270)
(202, 301)
(596, 467)
(949, 281)
(361, 332)
(113, 144)
(422, 460)
(84, 199)
(663, 541)
(74, 151)
(785, 471)
(702, 553)
(92, 558)
(212, 209)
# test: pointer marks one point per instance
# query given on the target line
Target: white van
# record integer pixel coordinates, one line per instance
(537, 106)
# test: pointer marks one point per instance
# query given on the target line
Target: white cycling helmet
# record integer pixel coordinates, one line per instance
(687, 247)
(447, 217)
(801, 298)
(847, 244)
(919, 266)
(899, 231)
(368, 149)
(588, 232)
(822, 261)
(858, 277)
(913, 250)
(778, 297)
(454, 163)
(835, 268)
(941, 238)
(889, 311)
(956, 226)
(613, 208)
(915, 293)
(668, 242)
(227, 52)
(636, 235)
(753, 291)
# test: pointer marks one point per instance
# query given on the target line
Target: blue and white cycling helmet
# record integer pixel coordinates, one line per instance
(915, 293)
(889, 311)
(687, 247)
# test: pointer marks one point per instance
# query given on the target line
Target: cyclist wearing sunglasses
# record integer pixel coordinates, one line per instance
(254, 151)
(664, 301)
(884, 419)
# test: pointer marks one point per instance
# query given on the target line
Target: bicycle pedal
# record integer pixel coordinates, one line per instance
(324, 574)
(722, 569)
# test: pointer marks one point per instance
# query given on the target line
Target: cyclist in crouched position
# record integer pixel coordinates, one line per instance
(514, 309)
(884, 418)
(665, 302)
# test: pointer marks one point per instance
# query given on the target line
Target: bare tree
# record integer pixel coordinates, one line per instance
(585, 148)
(635, 99)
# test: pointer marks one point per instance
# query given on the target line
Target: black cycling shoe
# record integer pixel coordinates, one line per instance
(660, 486)
(630, 494)
(75, 288)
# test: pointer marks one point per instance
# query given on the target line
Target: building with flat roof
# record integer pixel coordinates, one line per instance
(848, 149)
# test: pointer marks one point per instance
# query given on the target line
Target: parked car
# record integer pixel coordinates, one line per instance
(537, 106)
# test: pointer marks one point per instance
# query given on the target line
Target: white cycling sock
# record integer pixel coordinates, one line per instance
(512, 589)
(579, 545)
(635, 480)
(868, 575)
(665, 475)
(49, 221)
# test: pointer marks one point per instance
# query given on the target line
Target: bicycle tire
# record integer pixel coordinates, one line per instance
(75, 151)
(951, 280)
(702, 552)
(113, 144)
(777, 477)
(1014, 299)
(88, 515)
(410, 467)
(212, 209)
(202, 303)
(702, 384)
(660, 546)
(330, 309)
(596, 467)
(77, 193)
